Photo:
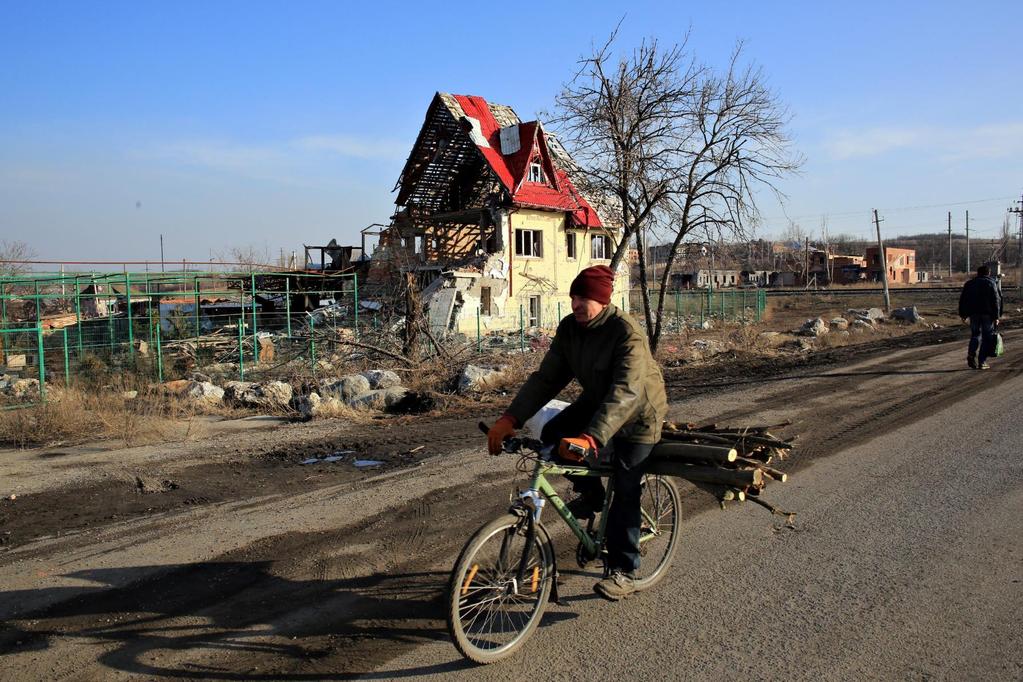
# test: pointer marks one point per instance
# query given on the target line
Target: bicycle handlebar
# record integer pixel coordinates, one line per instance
(514, 444)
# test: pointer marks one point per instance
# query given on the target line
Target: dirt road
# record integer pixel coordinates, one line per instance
(315, 582)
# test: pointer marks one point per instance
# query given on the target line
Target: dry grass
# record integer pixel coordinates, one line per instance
(76, 415)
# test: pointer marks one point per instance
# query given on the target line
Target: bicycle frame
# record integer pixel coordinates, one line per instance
(540, 490)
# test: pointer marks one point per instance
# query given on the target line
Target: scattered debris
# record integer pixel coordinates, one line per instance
(367, 463)
(839, 323)
(335, 457)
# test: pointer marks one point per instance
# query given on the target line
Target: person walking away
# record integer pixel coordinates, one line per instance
(981, 303)
(623, 402)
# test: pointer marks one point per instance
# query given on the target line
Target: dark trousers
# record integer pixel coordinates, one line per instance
(982, 337)
(624, 516)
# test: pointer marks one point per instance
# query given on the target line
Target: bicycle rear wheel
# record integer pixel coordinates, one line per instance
(490, 615)
(660, 529)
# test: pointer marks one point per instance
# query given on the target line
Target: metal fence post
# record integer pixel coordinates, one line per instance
(159, 355)
(67, 360)
(241, 351)
(355, 280)
(255, 341)
(287, 303)
(127, 298)
(78, 315)
(522, 330)
(41, 362)
(39, 316)
(312, 347)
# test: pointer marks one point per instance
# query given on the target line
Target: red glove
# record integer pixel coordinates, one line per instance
(502, 428)
(583, 441)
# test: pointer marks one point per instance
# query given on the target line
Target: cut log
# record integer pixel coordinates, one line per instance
(736, 478)
(773, 474)
(722, 493)
(690, 436)
(692, 452)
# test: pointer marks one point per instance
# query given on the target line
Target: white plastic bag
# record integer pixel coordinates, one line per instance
(534, 425)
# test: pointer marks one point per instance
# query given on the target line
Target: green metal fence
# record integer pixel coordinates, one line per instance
(696, 306)
(23, 355)
(128, 320)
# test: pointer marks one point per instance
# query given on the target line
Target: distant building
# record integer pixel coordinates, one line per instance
(900, 268)
(701, 278)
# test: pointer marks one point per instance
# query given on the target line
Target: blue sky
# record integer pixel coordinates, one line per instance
(273, 124)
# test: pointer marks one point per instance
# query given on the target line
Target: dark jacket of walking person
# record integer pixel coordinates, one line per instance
(623, 402)
(981, 303)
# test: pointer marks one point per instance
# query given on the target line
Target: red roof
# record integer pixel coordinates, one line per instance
(512, 170)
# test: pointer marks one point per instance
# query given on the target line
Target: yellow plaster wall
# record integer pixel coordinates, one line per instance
(548, 277)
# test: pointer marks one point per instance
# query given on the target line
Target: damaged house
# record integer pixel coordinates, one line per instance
(489, 222)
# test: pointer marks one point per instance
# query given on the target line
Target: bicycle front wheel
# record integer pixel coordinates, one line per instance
(490, 612)
(660, 529)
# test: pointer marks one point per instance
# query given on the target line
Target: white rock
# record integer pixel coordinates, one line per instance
(814, 327)
(475, 378)
(382, 378)
(379, 399)
(205, 393)
(347, 387)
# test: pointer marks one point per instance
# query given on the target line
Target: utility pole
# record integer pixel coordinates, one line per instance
(950, 244)
(1018, 210)
(967, 241)
(884, 264)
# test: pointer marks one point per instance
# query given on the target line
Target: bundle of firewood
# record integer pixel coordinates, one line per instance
(732, 463)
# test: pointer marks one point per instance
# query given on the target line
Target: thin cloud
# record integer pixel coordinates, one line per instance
(356, 147)
(999, 140)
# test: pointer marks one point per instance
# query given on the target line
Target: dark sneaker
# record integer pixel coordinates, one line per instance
(617, 585)
(972, 362)
(582, 508)
(983, 365)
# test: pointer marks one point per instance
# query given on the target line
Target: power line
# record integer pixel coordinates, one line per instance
(867, 212)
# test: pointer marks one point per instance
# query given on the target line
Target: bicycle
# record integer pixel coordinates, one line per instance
(506, 573)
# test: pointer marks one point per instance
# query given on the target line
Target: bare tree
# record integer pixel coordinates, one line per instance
(684, 147)
(621, 121)
(13, 255)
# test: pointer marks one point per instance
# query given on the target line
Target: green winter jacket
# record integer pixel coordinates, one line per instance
(611, 360)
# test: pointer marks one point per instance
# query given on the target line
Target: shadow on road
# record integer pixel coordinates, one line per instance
(238, 620)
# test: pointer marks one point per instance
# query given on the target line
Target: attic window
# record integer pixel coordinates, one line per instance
(536, 173)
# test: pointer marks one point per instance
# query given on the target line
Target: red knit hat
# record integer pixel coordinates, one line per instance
(594, 283)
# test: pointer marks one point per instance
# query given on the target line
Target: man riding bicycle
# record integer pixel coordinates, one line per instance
(622, 402)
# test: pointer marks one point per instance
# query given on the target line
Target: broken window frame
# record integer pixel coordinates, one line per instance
(603, 251)
(536, 173)
(528, 243)
(533, 308)
(571, 252)
(486, 301)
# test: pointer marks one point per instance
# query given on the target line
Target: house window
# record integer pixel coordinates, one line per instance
(600, 247)
(529, 243)
(536, 173)
(533, 320)
(485, 301)
(570, 245)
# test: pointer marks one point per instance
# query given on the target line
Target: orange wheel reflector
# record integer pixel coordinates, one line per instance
(536, 577)
(468, 578)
